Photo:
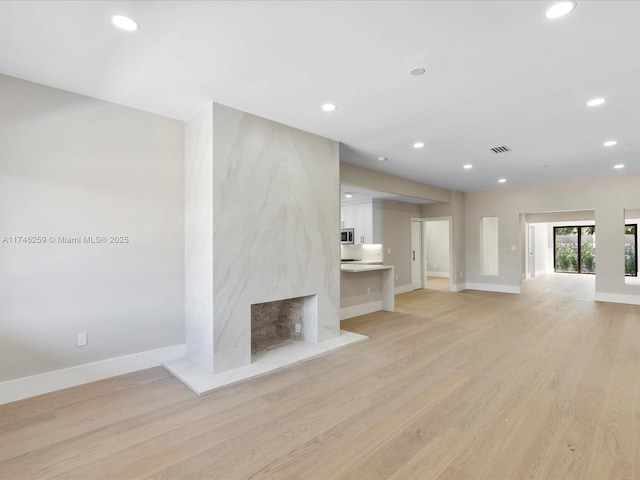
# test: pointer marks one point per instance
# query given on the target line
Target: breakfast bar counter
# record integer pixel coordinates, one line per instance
(366, 288)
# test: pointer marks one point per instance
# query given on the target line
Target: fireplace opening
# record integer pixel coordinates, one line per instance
(281, 322)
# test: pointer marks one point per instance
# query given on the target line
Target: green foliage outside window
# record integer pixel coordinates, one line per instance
(566, 258)
(630, 263)
(588, 258)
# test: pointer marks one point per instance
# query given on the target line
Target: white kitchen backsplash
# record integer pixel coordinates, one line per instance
(368, 252)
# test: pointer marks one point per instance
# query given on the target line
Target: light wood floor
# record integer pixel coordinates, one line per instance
(470, 385)
(438, 283)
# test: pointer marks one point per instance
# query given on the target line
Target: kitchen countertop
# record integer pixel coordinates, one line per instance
(362, 262)
(351, 268)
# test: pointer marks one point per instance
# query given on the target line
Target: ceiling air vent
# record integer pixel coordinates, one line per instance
(501, 149)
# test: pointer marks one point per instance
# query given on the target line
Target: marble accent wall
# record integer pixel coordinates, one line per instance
(199, 238)
(275, 222)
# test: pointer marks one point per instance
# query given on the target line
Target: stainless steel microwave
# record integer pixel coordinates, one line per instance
(346, 236)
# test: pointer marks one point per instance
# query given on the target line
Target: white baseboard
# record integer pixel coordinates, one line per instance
(403, 289)
(458, 287)
(438, 274)
(488, 287)
(617, 298)
(26, 387)
(357, 310)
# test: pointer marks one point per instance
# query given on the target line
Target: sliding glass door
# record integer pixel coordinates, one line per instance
(587, 251)
(574, 249)
(566, 245)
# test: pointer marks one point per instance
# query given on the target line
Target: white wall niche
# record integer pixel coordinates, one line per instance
(489, 261)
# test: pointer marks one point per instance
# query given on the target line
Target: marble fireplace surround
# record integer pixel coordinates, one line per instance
(262, 209)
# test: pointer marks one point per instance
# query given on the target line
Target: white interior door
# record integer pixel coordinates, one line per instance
(532, 251)
(425, 260)
(417, 277)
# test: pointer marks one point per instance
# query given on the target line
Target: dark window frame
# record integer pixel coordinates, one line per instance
(579, 229)
(635, 241)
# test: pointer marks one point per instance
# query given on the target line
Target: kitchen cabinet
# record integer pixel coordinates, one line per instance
(360, 218)
(363, 223)
(346, 216)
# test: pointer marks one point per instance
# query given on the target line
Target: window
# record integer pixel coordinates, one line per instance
(587, 251)
(630, 249)
(574, 249)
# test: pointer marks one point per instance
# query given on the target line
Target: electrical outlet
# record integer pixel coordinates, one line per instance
(388, 250)
(368, 290)
(298, 328)
(396, 276)
(81, 339)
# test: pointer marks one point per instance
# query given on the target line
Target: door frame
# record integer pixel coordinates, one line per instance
(414, 245)
(531, 251)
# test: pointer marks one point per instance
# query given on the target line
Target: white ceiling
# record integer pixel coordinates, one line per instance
(498, 73)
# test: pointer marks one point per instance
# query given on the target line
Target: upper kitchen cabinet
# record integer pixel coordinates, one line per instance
(346, 216)
(360, 218)
(363, 223)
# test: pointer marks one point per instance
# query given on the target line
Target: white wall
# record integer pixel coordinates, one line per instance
(376, 211)
(353, 288)
(437, 242)
(607, 196)
(383, 182)
(75, 166)
(544, 249)
(396, 238)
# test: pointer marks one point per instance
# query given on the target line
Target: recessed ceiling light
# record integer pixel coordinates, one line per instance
(125, 23)
(347, 195)
(328, 107)
(610, 143)
(468, 166)
(502, 180)
(594, 102)
(418, 145)
(619, 166)
(382, 159)
(560, 9)
(417, 71)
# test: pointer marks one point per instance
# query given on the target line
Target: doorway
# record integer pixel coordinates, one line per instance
(431, 254)
(437, 256)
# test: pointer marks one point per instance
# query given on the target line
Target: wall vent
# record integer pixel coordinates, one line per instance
(501, 149)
